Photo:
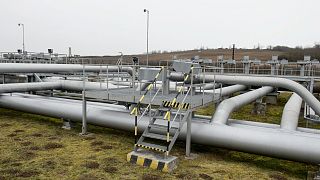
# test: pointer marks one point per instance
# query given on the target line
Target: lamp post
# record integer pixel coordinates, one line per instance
(121, 58)
(147, 11)
(23, 47)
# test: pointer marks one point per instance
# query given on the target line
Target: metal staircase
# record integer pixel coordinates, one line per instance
(162, 131)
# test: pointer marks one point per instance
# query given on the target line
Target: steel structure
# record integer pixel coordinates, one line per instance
(162, 101)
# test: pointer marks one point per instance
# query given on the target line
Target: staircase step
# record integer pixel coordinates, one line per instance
(164, 109)
(161, 127)
(156, 136)
(158, 117)
(154, 147)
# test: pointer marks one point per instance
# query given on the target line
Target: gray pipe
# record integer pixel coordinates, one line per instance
(25, 87)
(54, 68)
(291, 111)
(230, 89)
(265, 141)
(259, 81)
(227, 106)
(56, 85)
(268, 81)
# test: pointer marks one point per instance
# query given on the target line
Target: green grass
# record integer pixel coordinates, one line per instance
(35, 147)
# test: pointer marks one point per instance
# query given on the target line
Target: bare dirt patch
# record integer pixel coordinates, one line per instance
(36, 135)
(26, 143)
(87, 177)
(18, 131)
(186, 175)
(19, 173)
(12, 135)
(17, 139)
(52, 145)
(34, 148)
(110, 169)
(11, 171)
(26, 174)
(27, 155)
(106, 147)
(97, 143)
(205, 176)
(277, 177)
(91, 165)
(49, 164)
(53, 138)
(16, 164)
(150, 177)
(89, 138)
(111, 160)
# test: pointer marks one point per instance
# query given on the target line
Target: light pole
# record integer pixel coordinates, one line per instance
(121, 58)
(147, 11)
(23, 47)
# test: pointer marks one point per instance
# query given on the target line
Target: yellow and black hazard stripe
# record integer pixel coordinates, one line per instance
(149, 147)
(185, 106)
(146, 162)
(135, 109)
(175, 105)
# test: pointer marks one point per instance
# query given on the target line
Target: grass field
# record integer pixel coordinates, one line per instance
(36, 147)
(155, 58)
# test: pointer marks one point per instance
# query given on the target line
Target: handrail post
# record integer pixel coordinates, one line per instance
(168, 133)
(188, 138)
(84, 105)
(191, 81)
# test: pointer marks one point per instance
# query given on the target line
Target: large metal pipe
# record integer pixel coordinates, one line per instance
(291, 111)
(230, 89)
(227, 106)
(242, 123)
(258, 81)
(54, 68)
(56, 85)
(267, 81)
(297, 146)
(25, 87)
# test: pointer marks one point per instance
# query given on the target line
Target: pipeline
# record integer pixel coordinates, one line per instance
(26, 87)
(55, 85)
(55, 68)
(269, 81)
(259, 81)
(291, 111)
(227, 106)
(297, 146)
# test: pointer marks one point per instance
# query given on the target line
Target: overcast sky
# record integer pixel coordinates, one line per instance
(105, 27)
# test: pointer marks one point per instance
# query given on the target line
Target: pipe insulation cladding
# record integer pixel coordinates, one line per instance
(266, 81)
(55, 68)
(227, 106)
(258, 81)
(291, 111)
(55, 85)
(293, 145)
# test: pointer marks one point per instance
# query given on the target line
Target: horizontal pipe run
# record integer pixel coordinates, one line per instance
(241, 123)
(26, 87)
(55, 68)
(230, 89)
(55, 85)
(258, 81)
(267, 81)
(265, 141)
(227, 106)
(291, 111)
